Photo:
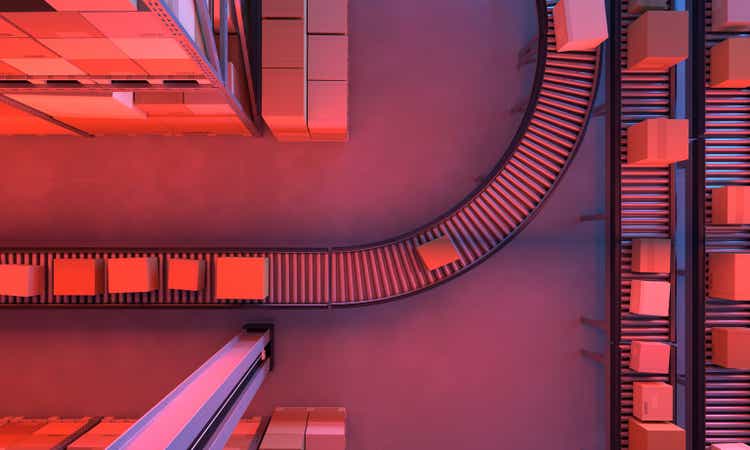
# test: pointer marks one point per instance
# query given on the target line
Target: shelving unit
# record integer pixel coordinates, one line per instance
(171, 67)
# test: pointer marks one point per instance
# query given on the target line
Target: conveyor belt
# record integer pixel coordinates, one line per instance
(643, 198)
(727, 161)
(554, 125)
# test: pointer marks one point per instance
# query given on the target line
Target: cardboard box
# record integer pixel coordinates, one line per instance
(328, 110)
(438, 253)
(730, 205)
(7, 30)
(327, 16)
(101, 435)
(241, 278)
(162, 103)
(207, 104)
(174, 67)
(42, 25)
(186, 274)
(285, 100)
(7, 69)
(112, 106)
(128, 24)
(84, 48)
(730, 63)
(730, 15)
(284, 44)
(283, 9)
(21, 280)
(21, 47)
(658, 40)
(151, 48)
(94, 5)
(78, 276)
(580, 25)
(243, 435)
(655, 436)
(650, 298)
(126, 275)
(652, 255)
(650, 357)
(653, 401)
(286, 430)
(641, 6)
(109, 67)
(44, 66)
(730, 347)
(728, 276)
(328, 58)
(658, 142)
(730, 447)
(326, 429)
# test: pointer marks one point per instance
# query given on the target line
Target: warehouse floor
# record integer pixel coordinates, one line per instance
(491, 357)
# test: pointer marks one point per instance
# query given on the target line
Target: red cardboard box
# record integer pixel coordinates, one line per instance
(84, 48)
(109, 67)
(151, 48)
(78, 276)
(44, 66)
(17, 430)
(655, 436)
(6, 69)
(102, 435)
(730, 15)
(327, 16)
(658, 142)
(650, 357)
(128, 24)
(94, 5)
(653, 401)
(285, 100)
(729, 276)
(7, 30)
(243, 435)
(730, 447)
(283, 9)
(284, 43)
(43, 25)
(328, 110)
(730, 205)
(650, 298)
(176, 67)
(326, 429)
(652, 255)
(241, 278)
(641, 6)
(126, 275)
(328, 58)
(162, 103)
(207, 104)
(730, 63)
(50, 436)
(658, 40)
(438, 253)
(115, 105)
(21, 47)
(21, 280)
(580, 25)
(186, 274)
(730, 347)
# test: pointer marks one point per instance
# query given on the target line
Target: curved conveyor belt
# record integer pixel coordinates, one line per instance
(551, 131)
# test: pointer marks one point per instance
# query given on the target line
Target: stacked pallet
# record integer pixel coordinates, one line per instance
(305, 69)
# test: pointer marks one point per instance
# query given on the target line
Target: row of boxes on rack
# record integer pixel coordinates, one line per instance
(95, 43)
(235, 277)
(306, 429)
(17, 433)
(305, 74)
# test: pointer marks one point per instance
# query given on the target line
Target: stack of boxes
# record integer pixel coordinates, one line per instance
(101, 435)
(27, 434)
(306, 429)
(305, 69)
(730, 59)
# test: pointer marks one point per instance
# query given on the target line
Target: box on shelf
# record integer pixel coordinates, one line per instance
(652, 255)
(326, 429)
(109, 67)
(327, 16)
(650, 298)
(650, 357)
(83, 276)
(653, 401)
(284, 44)
(144, 24)
(186, 274)
(580, 25)
(112, 106)
(328, 58)
(283, 9)
(244, 434)
(728, 276)
(170, 67)
(23, 47)
(730, 347)
(42, 67)
(242, 278)
(328, 110)
(42, 25)
(658, 142)
(101, 435)
(7, 30)
(132, 275)
(658, 40)
(730, 15)
(285, 100)
(161, 103)
(84, 48)
(438, 252)
(21, 280)
(655, 436)
(730, 63)
(151, 48)
(730, 205)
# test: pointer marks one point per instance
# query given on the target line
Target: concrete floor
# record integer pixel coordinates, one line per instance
(490, 360)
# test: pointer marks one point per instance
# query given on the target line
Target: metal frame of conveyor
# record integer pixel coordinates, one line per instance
(203, 411)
